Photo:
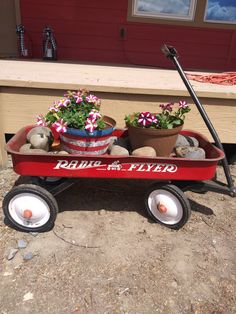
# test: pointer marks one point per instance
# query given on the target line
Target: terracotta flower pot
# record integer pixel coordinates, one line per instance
(82, 142)
(162, 140)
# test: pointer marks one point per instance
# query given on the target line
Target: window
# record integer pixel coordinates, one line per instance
(192, 13)
(220, 11)
(165, 9)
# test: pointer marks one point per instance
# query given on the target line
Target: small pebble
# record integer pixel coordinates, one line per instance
(34, 234)
(174, 284)
(213, 279)
(28, 296)
(7, 273)
(102, 212)
(12, 253)
(21, 244)
(28, 256)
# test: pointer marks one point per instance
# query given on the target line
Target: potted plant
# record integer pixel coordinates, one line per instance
(159, 130)
(81, 126)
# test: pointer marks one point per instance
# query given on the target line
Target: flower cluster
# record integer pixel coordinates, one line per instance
(78, 110)
(167, 119)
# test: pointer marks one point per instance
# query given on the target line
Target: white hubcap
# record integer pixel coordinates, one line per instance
(29, 210)
(165, 207)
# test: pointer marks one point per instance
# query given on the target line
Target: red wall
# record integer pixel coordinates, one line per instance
(89, 30)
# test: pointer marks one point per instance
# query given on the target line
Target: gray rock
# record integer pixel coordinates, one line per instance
(21, 244)
(41, 130)
(186, 141)
(62, 152)
(26, 148)
(174, 284)
(102, 212)
(190, 152)
(118, 150)
(28, 256)
(39, 141)
(12, 253)
(145, 151)
(34, 234)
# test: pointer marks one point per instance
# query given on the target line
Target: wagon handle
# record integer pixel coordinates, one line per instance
(171, 53)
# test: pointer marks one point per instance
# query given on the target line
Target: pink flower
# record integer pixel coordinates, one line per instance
(167, 107)
(146, 118)
(91, 98)
(54, 108)
(63, 102)
(94, 115)
(98, 102)
(183, 104)
(78, 94)
(79, 99)
(91, 125)
(60, 126)
(41, 120)
(154, 120)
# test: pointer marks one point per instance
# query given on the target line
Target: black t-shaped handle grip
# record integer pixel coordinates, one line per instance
(169, 51)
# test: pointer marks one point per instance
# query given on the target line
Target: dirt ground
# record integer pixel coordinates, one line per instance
(104, 255)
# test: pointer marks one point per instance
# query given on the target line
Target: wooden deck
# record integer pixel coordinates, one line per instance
(28, 88)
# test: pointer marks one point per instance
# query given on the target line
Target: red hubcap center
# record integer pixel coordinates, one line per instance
(27, 213)
(162, 208)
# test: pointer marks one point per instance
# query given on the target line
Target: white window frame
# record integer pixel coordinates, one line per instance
(216, 21)
(165, 16)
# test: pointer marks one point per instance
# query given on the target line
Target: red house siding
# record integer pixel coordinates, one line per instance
(91, 31)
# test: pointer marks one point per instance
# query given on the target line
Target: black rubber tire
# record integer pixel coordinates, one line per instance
(40, 192)
(179, 195)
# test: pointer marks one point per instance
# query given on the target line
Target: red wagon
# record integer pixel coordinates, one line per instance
(33, 207)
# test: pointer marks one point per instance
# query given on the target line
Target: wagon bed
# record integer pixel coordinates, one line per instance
(109, 166)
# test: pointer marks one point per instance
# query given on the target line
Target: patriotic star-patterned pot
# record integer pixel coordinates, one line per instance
(82, 142)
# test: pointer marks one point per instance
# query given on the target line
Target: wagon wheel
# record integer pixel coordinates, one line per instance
(167, 204)
(30, 208)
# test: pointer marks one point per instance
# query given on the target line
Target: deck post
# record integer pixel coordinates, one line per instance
(3, 153)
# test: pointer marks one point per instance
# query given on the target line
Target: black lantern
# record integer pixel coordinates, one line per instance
(49, 44)
(23, 42)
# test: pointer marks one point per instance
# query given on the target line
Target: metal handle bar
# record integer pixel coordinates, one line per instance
(171, 53)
